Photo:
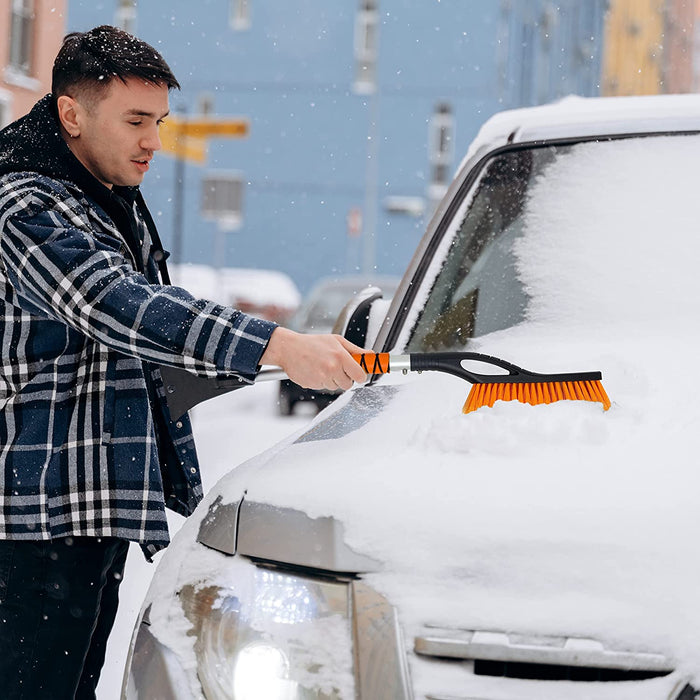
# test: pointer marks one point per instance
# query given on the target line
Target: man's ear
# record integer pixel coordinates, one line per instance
(69, 114)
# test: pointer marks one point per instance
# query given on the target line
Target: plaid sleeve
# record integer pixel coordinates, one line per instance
(84, 279)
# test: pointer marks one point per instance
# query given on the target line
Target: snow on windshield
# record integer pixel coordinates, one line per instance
(612, 233)
(572, 234)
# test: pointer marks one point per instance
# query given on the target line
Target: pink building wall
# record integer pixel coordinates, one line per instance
(19, 90)
(678, 45)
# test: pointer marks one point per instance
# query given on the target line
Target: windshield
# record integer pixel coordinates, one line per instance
(528, 208)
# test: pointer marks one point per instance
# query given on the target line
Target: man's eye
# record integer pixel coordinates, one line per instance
(136, 123)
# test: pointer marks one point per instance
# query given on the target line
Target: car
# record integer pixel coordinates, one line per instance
(318, 314)
(268, 294)
(397, 547)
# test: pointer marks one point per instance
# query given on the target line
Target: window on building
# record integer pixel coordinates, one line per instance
(239, 15)
(440, 151)
(366, 40)
(21, 35)
(125, 16)
(5, 108)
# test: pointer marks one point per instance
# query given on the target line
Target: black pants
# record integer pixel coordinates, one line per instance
(58, 601)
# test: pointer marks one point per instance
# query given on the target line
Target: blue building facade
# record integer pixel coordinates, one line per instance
(551, 49)
(327, 157)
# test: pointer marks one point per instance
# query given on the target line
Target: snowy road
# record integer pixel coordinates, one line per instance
(229, 430)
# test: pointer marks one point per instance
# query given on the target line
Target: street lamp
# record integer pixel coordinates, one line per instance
(366, 51)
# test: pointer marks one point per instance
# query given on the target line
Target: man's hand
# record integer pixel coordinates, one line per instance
(314, 361)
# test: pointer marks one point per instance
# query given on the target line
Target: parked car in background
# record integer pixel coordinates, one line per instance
(268, 294)
(318, 314)
(397, 548)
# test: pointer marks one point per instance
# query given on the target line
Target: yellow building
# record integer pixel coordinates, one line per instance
(632, 62)
(648, 47)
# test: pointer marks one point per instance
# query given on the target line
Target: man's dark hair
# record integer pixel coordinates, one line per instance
(89, 61)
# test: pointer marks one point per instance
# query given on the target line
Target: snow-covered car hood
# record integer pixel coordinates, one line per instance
(559, 519)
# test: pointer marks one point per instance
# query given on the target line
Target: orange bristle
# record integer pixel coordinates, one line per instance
(534, 393)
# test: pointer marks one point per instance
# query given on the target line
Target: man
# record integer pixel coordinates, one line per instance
(89, 456)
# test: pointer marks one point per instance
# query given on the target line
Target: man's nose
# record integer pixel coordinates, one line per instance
(151, 140)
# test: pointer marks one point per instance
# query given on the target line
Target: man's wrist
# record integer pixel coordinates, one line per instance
(274, 352)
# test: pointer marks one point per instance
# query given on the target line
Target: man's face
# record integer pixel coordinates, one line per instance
(118, 133)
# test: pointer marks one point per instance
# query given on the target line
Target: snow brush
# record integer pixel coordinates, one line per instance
(517, 384)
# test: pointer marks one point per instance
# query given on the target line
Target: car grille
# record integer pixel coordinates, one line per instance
(499, 655)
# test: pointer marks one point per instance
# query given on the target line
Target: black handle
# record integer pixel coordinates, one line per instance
(451, 363)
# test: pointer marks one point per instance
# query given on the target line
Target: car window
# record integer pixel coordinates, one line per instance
(499, 259)
(320, 310)
(325, 310)
(477, 291)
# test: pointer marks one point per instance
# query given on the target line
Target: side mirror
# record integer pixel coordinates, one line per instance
(354, 321)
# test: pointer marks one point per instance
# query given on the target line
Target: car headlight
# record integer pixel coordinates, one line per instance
(275, 636)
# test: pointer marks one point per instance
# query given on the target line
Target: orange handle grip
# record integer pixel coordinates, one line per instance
(373, 363)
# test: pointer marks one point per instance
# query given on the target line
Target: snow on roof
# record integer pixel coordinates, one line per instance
(575, 116)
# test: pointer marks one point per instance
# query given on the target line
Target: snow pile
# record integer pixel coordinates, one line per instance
(270, 294)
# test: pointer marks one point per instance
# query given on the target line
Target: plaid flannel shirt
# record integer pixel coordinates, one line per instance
(78, 447)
